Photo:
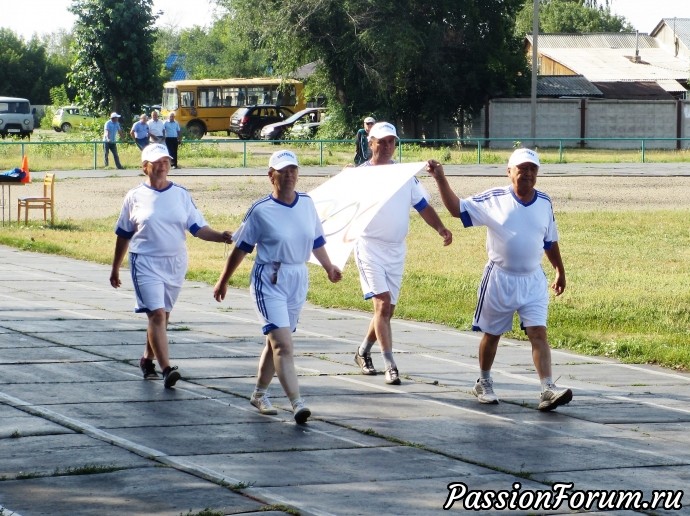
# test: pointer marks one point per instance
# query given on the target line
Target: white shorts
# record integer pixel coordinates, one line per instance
(157, 280)
(381, 266)
(279, 304)
(501, 294)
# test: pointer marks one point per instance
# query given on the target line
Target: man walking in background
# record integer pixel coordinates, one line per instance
(111, 130)
(173, 137)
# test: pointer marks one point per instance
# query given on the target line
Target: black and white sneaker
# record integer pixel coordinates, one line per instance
(148, 368)
(170, 377)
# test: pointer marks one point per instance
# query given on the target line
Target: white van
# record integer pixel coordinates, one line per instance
(15, 117)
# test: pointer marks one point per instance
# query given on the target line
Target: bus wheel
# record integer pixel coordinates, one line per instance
(196, 130)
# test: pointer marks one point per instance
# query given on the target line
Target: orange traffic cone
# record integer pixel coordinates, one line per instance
(25, 169)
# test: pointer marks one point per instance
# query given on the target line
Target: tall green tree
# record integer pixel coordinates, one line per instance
(571, 17)
(27, 70)
(395, 58)
(114, 69)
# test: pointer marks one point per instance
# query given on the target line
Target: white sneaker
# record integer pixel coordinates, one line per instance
(301, 411)
(263, 404)
(553, 397)
(484, 391)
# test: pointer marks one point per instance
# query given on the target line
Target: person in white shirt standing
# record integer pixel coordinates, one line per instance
(173, 137)
(156, 128)
(521, 228)
(380, 252)
(154, 218)
(285, 228)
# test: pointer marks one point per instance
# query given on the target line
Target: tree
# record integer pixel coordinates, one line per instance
(114, 69)
(396, 58)
(571, 17)
(27, 70)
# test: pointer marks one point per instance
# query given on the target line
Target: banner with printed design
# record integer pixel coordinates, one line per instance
(346, 203)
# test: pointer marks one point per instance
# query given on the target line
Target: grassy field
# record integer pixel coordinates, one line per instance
(627, 297)
(74, 151)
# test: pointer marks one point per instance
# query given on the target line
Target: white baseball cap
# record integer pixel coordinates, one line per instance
(281, 159)
(520, 156)
(114, 115)
(154, 152)
(370, 120)
(381, 130)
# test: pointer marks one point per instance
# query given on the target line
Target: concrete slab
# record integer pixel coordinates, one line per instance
(135, 492)
(71, 394)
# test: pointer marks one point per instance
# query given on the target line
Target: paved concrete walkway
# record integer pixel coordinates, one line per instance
(81, 433)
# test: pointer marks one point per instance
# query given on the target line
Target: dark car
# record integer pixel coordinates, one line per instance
(279, 130)
(247, 122)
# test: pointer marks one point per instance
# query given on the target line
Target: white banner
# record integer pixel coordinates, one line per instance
(346, 203)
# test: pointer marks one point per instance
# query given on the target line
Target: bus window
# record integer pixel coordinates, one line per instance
(170, 99)
(187, 99)
(210, 97)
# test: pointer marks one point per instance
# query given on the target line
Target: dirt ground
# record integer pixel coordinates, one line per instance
(95, 198)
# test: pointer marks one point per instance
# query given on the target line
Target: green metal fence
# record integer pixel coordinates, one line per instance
(233, 153)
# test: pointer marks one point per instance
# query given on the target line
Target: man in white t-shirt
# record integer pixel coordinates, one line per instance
(156, 128)
(380, 252)
(521, 227)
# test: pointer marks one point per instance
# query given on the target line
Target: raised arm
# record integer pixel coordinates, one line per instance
(450, 200)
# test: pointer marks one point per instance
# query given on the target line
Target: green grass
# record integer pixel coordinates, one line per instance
(78, 150)
(628, 278)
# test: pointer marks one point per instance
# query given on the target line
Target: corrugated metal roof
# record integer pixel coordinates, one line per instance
(647, 90)
(681, 27)
(595, 40)
(617, 64)
(566, 86)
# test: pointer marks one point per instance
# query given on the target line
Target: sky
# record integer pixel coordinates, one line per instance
(26, 17)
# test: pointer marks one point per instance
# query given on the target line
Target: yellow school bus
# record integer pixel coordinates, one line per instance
(205, 105)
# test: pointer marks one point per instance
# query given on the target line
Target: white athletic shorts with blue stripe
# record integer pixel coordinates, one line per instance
(157, 280)
(380, 266)
(279, 304)
(502, 293)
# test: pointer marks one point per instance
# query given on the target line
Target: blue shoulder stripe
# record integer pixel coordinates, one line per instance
(496, 192)
(256, 203)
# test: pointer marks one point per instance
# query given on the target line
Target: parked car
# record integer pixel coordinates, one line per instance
(68, 117)
(16, 117)
(248, 121)
(304, 130)
(279, 130)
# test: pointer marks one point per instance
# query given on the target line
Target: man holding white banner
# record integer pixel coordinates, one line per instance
(380, 252)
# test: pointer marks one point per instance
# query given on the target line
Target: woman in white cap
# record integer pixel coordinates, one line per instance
(111, 129)
(152, 225)
(285, 228)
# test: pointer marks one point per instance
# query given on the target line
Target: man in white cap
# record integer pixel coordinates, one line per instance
(521, 227)
(380, 253)
(111, 129)
(362, 152)
(153, 222)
